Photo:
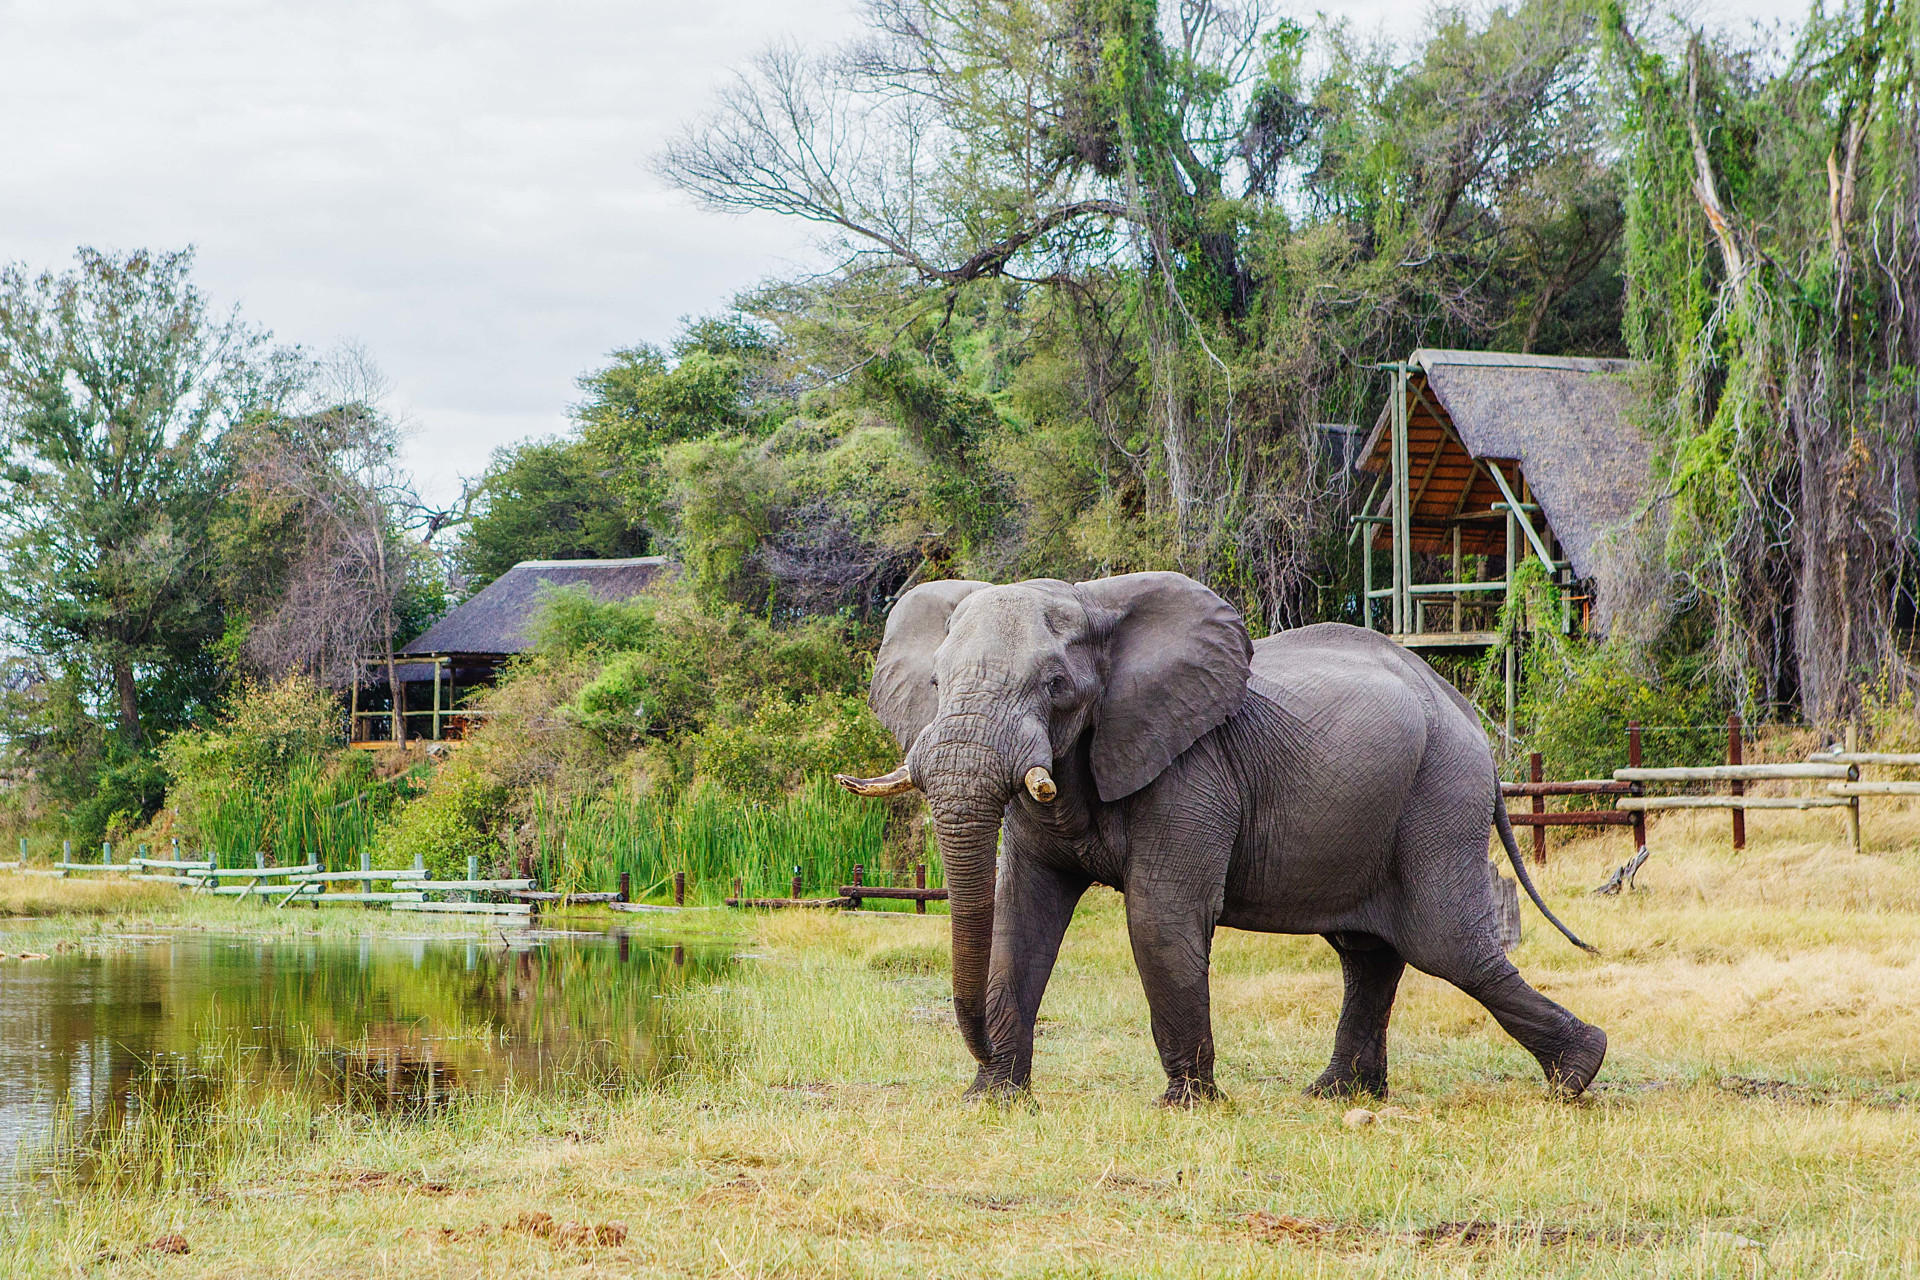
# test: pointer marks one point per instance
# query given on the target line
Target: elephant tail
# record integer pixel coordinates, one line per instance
(1520, 868)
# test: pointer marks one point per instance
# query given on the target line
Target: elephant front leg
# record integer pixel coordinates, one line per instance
(1032, 908)
(1372, 972)
(1173, 948)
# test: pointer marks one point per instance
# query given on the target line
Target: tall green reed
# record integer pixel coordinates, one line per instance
(584, 845)
(321, 814)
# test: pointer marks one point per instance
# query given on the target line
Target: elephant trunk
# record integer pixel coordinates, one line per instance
(968, 783)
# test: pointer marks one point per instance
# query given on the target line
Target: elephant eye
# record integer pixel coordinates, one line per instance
(1057, 687)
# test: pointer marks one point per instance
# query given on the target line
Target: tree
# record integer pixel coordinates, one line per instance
(328, 489)
(545, 500)
(116, 385)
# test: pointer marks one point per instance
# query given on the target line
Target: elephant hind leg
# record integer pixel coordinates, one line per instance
(1371, 970)
(1569, 1051)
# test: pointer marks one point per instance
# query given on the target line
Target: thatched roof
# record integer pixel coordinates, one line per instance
(1560, 425)
(496, 620)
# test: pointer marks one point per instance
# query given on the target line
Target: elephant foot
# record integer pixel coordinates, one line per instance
(989, 1091)
(1190, 1093)
(1571, 1070)
(1339, 1081)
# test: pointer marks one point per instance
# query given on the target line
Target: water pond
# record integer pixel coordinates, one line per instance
(93, 1040)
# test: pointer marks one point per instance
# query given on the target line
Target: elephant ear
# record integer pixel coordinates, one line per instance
(1177, 663)
(903, 694)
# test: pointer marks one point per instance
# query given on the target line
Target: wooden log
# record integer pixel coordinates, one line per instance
(171, 864)
(248, 890)
(447, 886)
(1874, 788)
(331, 877)
(94, 866)
(469, 908)
(337, 899)
(1573, 818)
(1584, 787)
(1733, 773)
(225, 873)
(899, 895)
(1900, 759)
(1650, 803)
(543, 895)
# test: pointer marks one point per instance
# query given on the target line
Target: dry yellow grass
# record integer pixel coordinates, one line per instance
(1757, 1115)
(44, 896)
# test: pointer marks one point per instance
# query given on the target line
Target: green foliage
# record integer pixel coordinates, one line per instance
(783, 744)
(546, 500)
(453, 821)
(122, 796)
(1578, 714)
(676, 665)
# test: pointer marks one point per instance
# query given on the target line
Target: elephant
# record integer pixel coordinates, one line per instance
(1126, 732)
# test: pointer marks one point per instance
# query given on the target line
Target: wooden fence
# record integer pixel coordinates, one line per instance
(1839, 770)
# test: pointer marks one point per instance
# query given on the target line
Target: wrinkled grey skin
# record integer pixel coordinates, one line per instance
(1322, 781)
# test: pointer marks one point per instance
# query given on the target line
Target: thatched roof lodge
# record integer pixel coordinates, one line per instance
(1502, 456)
(466, 648)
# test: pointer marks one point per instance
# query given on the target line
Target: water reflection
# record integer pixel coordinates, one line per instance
(372, 1025)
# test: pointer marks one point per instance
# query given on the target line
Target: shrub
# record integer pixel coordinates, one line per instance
(455, 820)
(1579, 714)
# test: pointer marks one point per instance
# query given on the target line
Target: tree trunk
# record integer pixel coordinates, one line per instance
(129, 701)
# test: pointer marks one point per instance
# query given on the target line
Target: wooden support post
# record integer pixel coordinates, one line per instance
(366, 864)
(436, 698)
(739, 894)
(259, 859)
(1539, 806)
(1512, 642)
(1402, 518)
(920, 882)
(1366, 576)
(859, 878)
(106, 853)
(66, 851)
(1738, 788)
(1633, 762)
(353, 708)
(797, 883)
(1456, 579)
(473, 873)
(1853, 806)
(626, 887)
(679, 889)
(23, 851)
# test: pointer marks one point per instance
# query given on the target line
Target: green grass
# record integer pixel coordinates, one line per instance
(1763, 1083)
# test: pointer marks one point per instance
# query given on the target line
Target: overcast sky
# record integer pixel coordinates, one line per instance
(459, 187)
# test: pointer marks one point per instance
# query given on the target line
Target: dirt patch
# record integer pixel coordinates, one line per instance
(368, 1179)
(1279, 1227)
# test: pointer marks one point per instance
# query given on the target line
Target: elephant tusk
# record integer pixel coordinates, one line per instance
(891, 784)
(1040, 784)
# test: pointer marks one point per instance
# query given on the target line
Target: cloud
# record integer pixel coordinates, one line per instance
(459, 187)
